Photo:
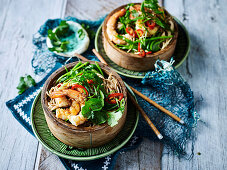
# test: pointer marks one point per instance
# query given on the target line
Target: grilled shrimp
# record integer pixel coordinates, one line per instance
(78, 96)
(74, 108)
(67, 113)
(128, 36)
(77, 119)
(62, 102)
(63, 113)
(111, 27)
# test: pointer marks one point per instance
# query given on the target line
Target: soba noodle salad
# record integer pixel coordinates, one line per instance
(85, 96)
(141, 28)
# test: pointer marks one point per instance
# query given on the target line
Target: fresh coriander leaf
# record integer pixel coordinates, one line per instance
(113, 117)
(52, 35)
(86, 112)
(62, 29)
(91, 33)
(57, 49)
(93, 104)
(152, 4)
(64, 45)
(57, 43)
(135, 13)
(81, 34)
(30, 81)
(25, 83)
(22, 85)
(99, 117)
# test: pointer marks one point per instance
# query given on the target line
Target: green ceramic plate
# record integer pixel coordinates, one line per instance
(180, 53)
(45, 137)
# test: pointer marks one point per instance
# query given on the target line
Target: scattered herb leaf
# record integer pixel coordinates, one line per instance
(81, 34)
(25, 83)
(55, 37)
(91, 33)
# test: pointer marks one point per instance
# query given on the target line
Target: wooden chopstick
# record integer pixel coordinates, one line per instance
(81, 57)
(159, 135)
(99, 56)
(157, 106)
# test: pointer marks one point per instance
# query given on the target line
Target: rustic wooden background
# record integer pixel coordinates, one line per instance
(205, 70)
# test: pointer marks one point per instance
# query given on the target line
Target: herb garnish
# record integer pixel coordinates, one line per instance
(91, 33)
(149, 16)
(61, 31)
(96, 109)
(81, 34)
(25, 83)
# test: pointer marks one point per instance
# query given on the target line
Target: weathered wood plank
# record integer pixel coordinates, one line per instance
(146, 156)
(94, 10)
(18, 21)
(48, 160)
(205, 70)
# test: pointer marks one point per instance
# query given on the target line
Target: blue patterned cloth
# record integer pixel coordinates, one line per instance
(165, 86)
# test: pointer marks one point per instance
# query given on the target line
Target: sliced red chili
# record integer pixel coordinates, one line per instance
(111, 98)
(139, 47)
(149, 52)
(90, 81)
(75, 86)
(140, 32)
(130, 31)
(59, 85)
(142, 53)
(150, 24)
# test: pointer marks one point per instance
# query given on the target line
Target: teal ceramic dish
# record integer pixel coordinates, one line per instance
(45, 137)
(76, 43)
(180, 54)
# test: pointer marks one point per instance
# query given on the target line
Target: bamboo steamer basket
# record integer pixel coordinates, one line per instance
(132, 61)
(81, 136)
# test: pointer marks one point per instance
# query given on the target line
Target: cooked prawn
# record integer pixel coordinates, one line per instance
(72, 111)
(77, 119)
(111, 27)
(78, 96)
(63, 113)
(62, 102)
(74, 108)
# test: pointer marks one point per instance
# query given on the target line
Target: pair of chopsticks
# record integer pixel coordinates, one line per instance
(159, 135)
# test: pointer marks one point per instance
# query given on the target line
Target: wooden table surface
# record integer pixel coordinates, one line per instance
(205, 70)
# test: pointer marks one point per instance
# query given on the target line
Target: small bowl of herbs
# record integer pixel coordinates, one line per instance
(67, 39)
